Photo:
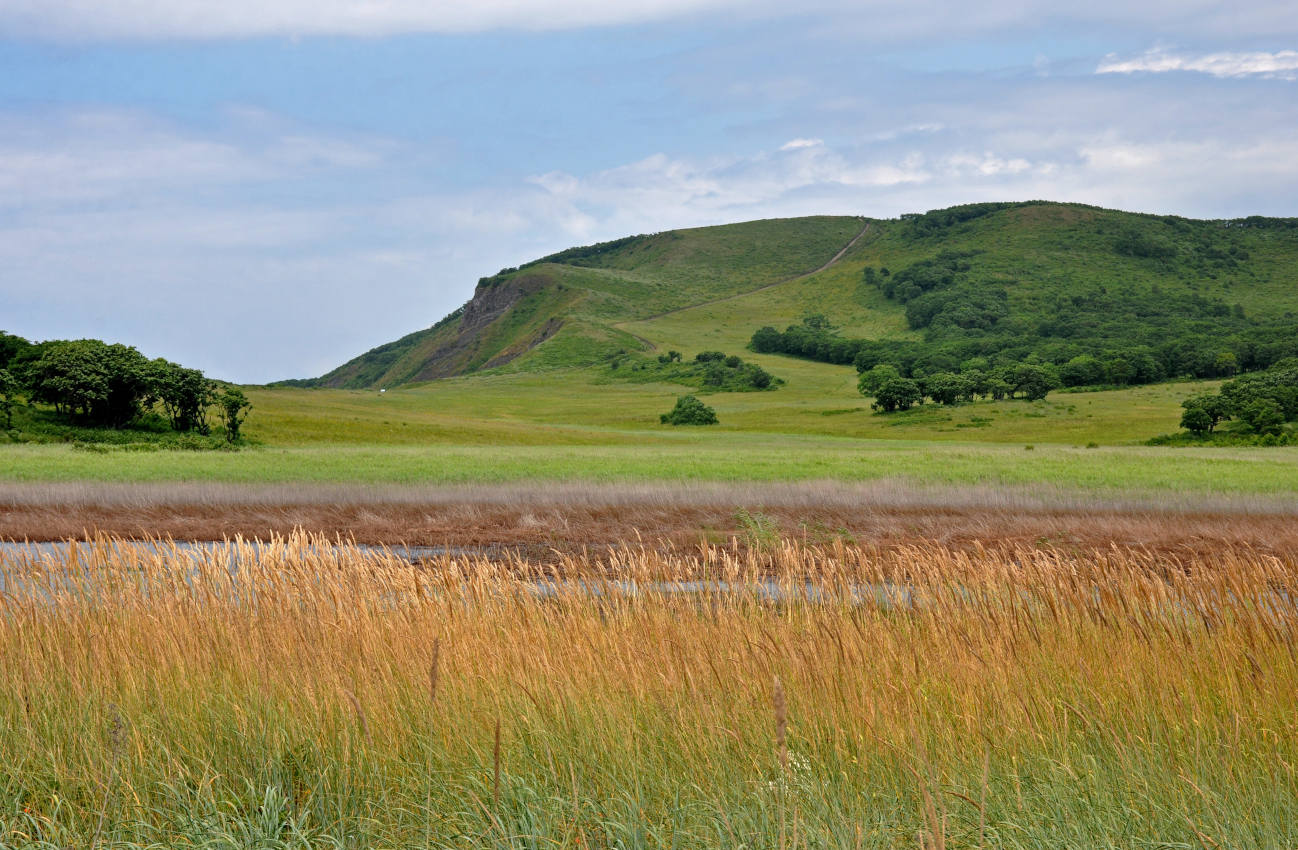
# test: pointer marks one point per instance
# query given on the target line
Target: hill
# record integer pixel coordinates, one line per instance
(1012, 265)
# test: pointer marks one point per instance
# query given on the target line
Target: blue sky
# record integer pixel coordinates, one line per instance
(265, 188)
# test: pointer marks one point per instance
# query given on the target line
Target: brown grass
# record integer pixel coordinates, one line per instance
(1106, 683)
(1124, 698)
(568, 517)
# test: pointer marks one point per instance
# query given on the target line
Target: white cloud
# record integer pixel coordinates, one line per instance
(153, 19)
(1282, 64)
(95, 154)
(795, 144)
(875, 21)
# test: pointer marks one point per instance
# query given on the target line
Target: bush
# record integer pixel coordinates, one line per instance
(689, 411)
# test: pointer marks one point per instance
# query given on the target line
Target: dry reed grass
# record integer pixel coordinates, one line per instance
(1109, 697)
(570, 516)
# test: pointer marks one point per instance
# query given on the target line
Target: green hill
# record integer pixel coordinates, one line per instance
(1016, 268)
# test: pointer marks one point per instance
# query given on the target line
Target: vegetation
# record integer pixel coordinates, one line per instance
(712, 371)
(1101, 337)
(690, 411)
(917, 697)
(1260, 404)
(564, 310)
(93, 387)
(692, 455)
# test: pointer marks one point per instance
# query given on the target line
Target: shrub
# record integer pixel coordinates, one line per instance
(689, 411)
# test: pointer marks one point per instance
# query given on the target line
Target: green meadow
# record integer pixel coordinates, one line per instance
(584, 425)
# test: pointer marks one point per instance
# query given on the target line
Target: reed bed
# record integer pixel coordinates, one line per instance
(302, 693)
(568, 516)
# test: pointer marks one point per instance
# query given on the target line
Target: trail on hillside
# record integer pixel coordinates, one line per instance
(832, 260)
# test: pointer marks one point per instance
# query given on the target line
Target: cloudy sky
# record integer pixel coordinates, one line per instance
(265, 188)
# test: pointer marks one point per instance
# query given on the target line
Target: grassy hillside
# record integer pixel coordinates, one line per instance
(563, 310)
(711, 288)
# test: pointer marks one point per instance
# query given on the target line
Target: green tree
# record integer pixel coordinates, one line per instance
(1263, 416)
(767, 340)
(1082, 371)
(1196, 420)
(897, 394)
(234, 407)
(948, 388)
(185, 395)
(10, 347)
(1215, 407)
(105, 385)
(1034, 382)
(8, 394)
(1225, 364)
(871, 380)
(1118, 370)
(997, 389)
(689, 411)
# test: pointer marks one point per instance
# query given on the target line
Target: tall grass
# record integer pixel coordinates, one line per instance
(300, 694)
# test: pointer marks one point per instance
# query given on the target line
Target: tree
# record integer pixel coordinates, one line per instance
(8, 392)
(234, 406)
(1225, 364)
(106, 385)
(1196, 420)
(10, 347)
(896, 394)
(871, 380)
(185, 395)
(767, 340)
(1213, 406)
(689, 411)
(1263, 415)
(1118, 370)
(1083, 370)
(997, 389)
(948, 388)
(1034, 382)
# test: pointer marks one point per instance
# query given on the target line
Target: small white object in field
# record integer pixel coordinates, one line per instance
(382, 390)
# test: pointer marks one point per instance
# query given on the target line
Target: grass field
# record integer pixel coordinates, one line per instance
(593, 406)
(322, 697)
(690, 458)
(584, 425)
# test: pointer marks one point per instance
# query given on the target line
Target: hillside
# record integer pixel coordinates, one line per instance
(711, 288)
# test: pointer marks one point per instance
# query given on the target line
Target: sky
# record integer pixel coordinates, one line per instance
(263, 189)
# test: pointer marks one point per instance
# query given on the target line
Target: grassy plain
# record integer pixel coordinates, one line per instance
(325, 697)
(522, 426)
(587, 424)
(743, 458)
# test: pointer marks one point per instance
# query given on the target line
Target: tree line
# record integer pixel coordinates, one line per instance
(94, 384)
(1261, 403)
(891, 391)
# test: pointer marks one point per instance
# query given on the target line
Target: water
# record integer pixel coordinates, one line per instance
(11, 553)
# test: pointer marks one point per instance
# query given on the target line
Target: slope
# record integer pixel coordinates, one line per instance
(561, 310)
(711, 288)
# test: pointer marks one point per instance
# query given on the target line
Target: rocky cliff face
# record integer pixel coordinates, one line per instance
(490, 306)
